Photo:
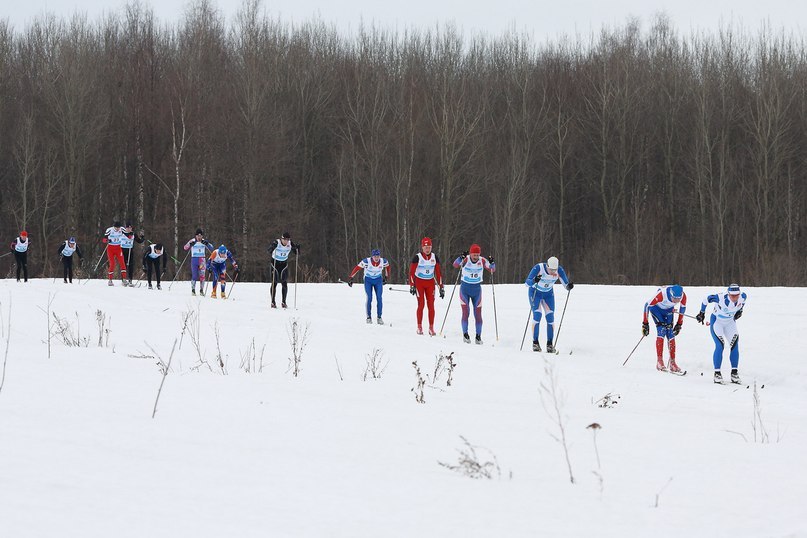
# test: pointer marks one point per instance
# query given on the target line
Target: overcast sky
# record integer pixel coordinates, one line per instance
(540, 18)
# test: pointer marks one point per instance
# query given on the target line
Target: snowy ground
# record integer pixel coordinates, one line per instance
(268, 454)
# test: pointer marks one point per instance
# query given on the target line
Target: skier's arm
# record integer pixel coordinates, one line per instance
(387, 269)
(458, 262)
(355, 271)
(412, 267)
(530, 282)
(60, 249)
(271, 248)
(682, 309)
(563, 278)
(146, 256)
(189, 244)
(78, 251)
(653, 302)
(709, 299)
(437, 273)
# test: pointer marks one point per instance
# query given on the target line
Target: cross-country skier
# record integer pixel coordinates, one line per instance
(151, 261)
(198, 246)
(376, 273)
(280, 249)
(20, 249)
(541, 284)
(127, 245)
(473, 266)
(723, 326)
(661, 307)
(113, 238)
(66, 251)
(217, 265)
(424, 273)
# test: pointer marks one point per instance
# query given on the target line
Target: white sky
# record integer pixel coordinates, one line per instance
(540, 18)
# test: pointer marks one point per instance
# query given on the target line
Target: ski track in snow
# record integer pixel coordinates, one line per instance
(267, 454)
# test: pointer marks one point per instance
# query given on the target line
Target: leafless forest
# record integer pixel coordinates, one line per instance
(637, 155)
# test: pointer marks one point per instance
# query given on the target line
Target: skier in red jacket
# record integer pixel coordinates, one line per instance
(424, 273)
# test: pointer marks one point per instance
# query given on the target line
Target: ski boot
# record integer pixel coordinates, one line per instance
(478, 340)
(369, 320)
(673, 367)
(150, 287)
(193, 292)
(536, 345)
(125, 283)
(431, 332)
(550, 348)
(660, 366)
(466, 338)
(223, 295)
(420, 330)
(274, 305)
(719, 378)
(109, 283)
(284, 305)
(380, 321)
(158, 287)
(213, 294)
(735, 377)
(65, 281)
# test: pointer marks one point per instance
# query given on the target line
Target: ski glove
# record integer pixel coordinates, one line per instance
(569, 286)
(645, 328)
(350, 282)
(383, 279)
(235, 267)
(104, 240)
(490, 259)
(738, 313)
(464, 254)
(442, 292)
(700, 317)
(677, 329)
(412, 290)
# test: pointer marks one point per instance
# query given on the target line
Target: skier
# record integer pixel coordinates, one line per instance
(66, 251)
(376, 274)
(217, 265)
(280, 250)
(424, 272)
(541, 282)
(473, 266)
(723, 326)
(127, 244)
(198, 246)
(151, 261)
(20, 249)
(661, 307)
(113, 238)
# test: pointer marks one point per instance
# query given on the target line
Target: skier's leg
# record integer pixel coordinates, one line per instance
(733, 336)
(717, 356)
(536, 298)
(475, 299)
(122, 265)
(379, 289)
(18, 260)
(465, 310)
(421, 296)
(368, 292)
(284, 272)
(110, 256)
(549, 309)
(430, 303)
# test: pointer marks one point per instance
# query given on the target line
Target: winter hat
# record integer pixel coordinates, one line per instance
(116, 224)
(676, 291)
(734, 289)
(553, 263)
(222, 249)
(200, 231)
(158, 246)
(128, 224)
(375, 252)
(426, 242)
(475, 249)
(23, 234)
(286, 235)
(71, 240)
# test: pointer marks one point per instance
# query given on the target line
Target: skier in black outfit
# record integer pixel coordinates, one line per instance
(66, 251)
(280, 250)
(20, 249)
(127, 244)
(151, 261)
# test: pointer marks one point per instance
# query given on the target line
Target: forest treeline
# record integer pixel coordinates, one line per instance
(636, 155)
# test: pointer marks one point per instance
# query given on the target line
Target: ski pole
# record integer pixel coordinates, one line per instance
(178, 269)
(634, 349)
(528, 321)
(339, 280)
(95, 271)
(274, 285)
(233, 280)
(6, 254)
(397, 289)
(560, 325)
(459, 273)
(296, 263)
(495, 318)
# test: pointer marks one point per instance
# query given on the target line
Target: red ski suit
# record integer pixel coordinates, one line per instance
(428, 267)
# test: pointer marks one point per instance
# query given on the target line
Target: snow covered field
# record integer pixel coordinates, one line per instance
(269, 454)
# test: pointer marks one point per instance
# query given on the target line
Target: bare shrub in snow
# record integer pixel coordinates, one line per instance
(64, 330)
(7, 335)
(594, 427)
(298, 339)
(375, 365)
(608, 401)
(251, 362)
(420, 384)
(194, 328)
(186, 319)
(758, 429)
(471, 465)
(46, 310)
(219, 357)
(553, 401)
(104, 327)
(165, 373)
(338, 368)
(658, 494)
(444, 364)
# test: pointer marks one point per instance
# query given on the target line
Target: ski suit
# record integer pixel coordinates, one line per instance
(280, 261)
(20, 250)
(198, 255)
(723, 326)
(471, 289)
(424, 273)
(375, 274)
(151, 262)
(66, 253)
(114, 253)
(661, 308)
(542, 297)
(217, 265)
